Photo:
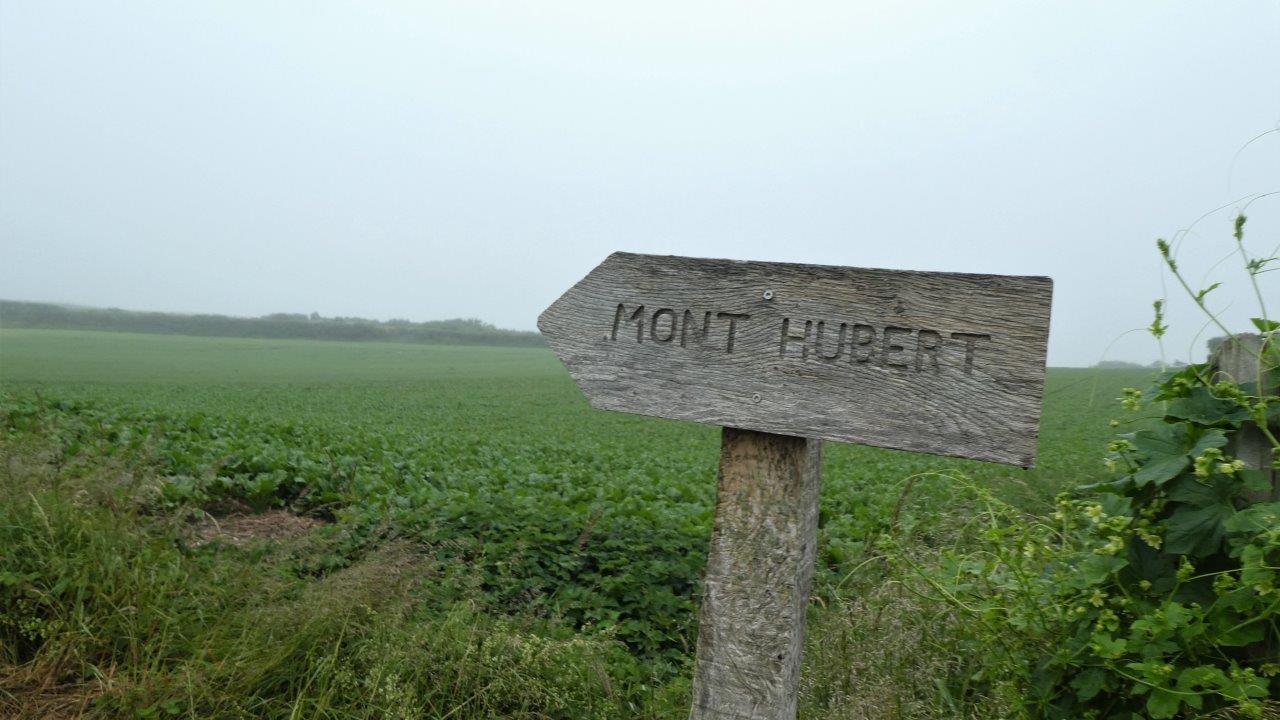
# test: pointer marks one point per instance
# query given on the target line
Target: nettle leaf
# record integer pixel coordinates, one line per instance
(1114, 504)
(1118, 487)
(1174, 383)
(1249, 686)
(1218, 489)
(1203, 407)
(1162, 704)
(1108, 647)
(1096, 568)
(1256, 480)
(1210, 438)
(1160, 470)
(1166, 451)
(1147, 563)
(1254, 570)
(1163, 441)
(1240, 635)
(1265, 325)
(1201, 677)
(1196, 531)
(1176, 615)
(1089, 683)
(1256, 518)
(1156, 630)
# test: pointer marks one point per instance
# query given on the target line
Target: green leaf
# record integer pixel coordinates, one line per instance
(1240, 635)
(1218, 489)
(1176, 615)
(1265, 325)
(1163, 441)
(1165, 448)
(1173, 383)
(1162, 704)
(1147, 563)
(1114, 504)
(1202, 407)
(1089, 683)
(1255, 480)
(1200, 295)
(1195, 531)
(1253, 568)
(1211, 438)
(1201, 677)
(1256, 518)
(1160, 470)
(1096, 568)
(1119, 487)
(1108, 647)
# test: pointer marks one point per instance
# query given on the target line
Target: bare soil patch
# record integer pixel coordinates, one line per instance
(22, 698)
(242, 529)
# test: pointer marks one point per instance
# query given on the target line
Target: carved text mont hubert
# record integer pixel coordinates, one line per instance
(805, 339)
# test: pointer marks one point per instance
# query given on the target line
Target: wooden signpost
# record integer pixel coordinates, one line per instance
(784, 356)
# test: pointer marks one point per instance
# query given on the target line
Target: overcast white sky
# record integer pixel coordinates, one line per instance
(429, 160)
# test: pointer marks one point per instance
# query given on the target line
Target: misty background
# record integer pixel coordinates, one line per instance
(474, 159)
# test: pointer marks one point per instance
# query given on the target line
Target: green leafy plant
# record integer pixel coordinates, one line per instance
(1175, 596)
(1169, 569)
(1154, 593)
(1171, 578)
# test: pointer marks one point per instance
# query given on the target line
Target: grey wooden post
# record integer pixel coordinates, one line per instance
(1237, 358)
(758, 577)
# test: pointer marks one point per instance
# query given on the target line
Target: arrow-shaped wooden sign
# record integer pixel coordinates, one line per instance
(944, 363)
(784, 356)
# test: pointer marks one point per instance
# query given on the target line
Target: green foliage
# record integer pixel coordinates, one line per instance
(1166, 575)
(1150, 594)
(612, 556)
(142, 623)
(1158, 327)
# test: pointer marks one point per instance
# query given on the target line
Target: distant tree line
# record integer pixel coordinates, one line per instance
(15, 314)
(1126, 365)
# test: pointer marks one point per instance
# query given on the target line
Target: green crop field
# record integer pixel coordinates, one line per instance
(490, 544)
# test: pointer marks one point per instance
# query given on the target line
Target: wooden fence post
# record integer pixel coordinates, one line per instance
(758, 577)
(1237, 358)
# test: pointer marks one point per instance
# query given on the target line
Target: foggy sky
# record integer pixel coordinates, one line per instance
(442, 159)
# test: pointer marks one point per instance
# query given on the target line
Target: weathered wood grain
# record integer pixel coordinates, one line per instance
(758, 577)
(1238, 359)
(944, 363)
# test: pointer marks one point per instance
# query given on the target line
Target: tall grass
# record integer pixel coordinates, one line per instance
(108, 611)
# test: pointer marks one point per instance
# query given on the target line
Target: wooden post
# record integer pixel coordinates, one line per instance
(1237, 358)
(758, 577)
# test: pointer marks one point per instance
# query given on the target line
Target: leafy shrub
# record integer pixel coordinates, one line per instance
(1169, 594)
(1152, 594)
